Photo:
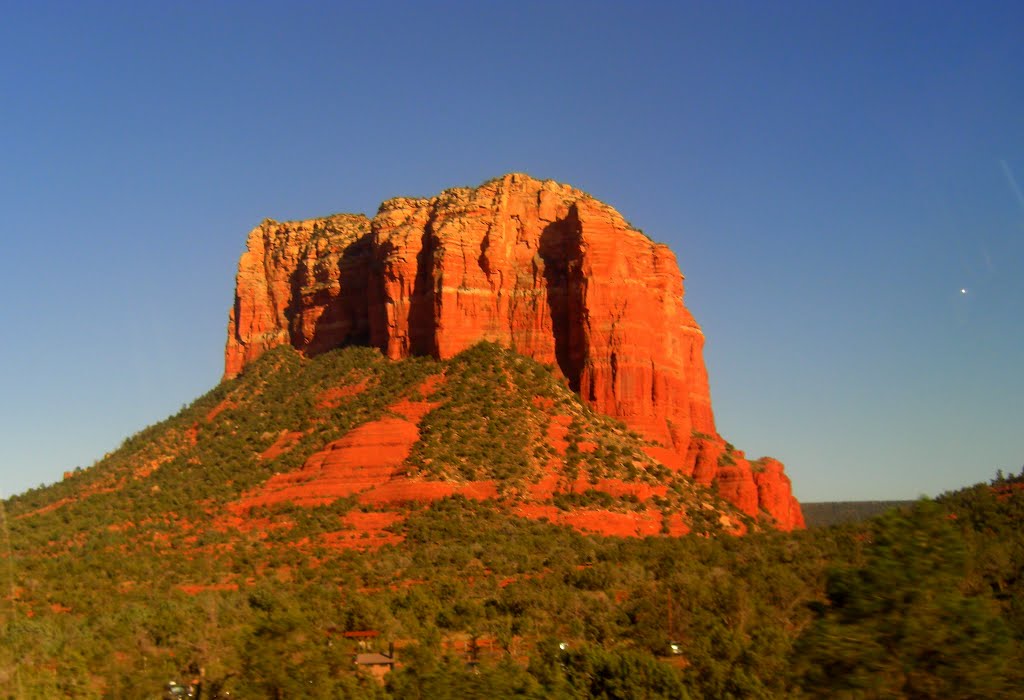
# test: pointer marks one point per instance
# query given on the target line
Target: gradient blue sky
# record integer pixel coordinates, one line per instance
(830, 175)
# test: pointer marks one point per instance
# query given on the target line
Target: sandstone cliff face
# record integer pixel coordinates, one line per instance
(540, 267)
(301, 283)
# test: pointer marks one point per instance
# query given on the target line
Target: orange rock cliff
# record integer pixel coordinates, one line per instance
(537, 266)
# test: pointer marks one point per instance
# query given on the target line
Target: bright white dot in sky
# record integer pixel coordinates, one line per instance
(963, 291)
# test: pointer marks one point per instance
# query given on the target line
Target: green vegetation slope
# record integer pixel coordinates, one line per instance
(150, 565)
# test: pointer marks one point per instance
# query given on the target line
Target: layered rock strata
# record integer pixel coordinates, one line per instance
(537, 266)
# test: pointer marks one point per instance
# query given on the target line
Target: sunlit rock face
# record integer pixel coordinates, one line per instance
(538, 266)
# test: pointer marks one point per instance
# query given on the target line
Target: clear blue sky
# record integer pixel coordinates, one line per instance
(830, 175)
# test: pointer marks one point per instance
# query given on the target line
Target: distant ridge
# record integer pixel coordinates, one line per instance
(828, 513)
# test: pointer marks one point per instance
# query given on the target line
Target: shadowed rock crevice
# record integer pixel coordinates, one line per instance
(561, 251)
(422, 303)
(327, 301)
(293, 311)
(345, 318)
(354, 272)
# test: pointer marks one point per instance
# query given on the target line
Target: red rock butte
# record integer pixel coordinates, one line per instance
(537, 266)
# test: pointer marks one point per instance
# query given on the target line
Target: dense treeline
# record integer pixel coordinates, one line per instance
(922, 603)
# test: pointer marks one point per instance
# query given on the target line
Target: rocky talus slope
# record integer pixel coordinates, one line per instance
(536, 266)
